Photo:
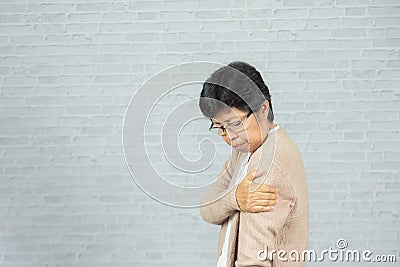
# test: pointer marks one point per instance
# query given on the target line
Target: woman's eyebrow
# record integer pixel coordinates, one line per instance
(225, 121)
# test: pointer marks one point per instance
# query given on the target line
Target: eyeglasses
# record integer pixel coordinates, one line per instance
(236, 126)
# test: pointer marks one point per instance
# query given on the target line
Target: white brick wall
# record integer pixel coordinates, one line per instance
(69, 68)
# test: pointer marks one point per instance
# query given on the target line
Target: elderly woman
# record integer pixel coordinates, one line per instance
(260, 198)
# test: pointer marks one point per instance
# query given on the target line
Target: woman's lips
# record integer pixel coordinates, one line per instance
(239, 146)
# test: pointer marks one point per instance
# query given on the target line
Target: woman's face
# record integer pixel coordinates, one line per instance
(251, 134)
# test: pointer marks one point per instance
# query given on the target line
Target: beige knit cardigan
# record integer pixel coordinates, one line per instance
(285, 228)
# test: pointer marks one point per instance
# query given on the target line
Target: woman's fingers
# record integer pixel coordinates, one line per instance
(263, 203)
(260, 199)
(265, 188)
(263, 196)
(256, 209)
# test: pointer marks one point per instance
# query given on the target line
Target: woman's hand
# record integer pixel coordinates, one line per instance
(261, 200)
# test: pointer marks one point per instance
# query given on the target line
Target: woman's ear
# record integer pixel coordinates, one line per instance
(265, 109)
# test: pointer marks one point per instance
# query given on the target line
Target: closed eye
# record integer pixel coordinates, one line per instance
(235, 124)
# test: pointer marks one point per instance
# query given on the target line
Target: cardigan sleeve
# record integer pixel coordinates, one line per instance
(217, 209)
(258, 231)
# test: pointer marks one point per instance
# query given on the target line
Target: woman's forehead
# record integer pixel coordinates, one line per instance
(228, 115)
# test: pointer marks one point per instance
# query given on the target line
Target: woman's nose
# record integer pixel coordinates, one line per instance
(231, 135)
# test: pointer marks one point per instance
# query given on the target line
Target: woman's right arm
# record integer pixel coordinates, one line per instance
(216, 209)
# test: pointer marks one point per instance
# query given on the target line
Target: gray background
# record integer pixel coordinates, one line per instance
(69, 68)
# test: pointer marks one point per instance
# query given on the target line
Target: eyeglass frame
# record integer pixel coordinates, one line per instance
(225, 128)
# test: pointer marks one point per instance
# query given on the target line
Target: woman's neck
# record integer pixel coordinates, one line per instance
(270, 126)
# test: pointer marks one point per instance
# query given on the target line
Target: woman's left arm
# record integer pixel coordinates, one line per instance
(259, 230)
